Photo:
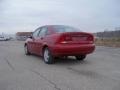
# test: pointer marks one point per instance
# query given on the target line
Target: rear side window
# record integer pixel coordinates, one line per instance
(50, 31)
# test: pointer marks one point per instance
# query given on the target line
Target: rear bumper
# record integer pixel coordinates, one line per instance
(72, 50)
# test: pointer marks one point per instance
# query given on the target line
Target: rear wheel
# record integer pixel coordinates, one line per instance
(26, 50)
(81, 57)
(48, 58)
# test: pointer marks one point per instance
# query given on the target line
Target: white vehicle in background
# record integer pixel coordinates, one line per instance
(4, 38)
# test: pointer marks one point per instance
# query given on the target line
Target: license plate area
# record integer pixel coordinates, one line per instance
(79, 38)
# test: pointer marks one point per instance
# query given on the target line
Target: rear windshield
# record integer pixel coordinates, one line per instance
(61, 29)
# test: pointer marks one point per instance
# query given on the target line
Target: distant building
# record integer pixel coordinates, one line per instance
(23, 35)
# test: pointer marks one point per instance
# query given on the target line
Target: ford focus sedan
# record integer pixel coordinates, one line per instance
(52, 41)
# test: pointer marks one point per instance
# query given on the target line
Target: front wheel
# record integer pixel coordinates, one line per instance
(81, 57)
(48, 58)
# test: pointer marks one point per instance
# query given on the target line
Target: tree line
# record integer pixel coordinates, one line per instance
(108, 34)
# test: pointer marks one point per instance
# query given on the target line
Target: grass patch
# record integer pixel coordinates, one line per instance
(111, 42)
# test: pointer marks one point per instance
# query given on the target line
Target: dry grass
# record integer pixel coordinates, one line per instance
(111, 42)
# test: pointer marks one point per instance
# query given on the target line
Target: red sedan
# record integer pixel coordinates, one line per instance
(52, 41)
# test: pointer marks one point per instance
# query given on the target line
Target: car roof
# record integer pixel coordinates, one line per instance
(53, 25)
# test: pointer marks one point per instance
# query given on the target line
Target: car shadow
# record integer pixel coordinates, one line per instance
(64, 61)
(70, 61)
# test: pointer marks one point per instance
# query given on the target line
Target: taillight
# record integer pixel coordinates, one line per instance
(90, 39)
(60, 39)
(64, 39)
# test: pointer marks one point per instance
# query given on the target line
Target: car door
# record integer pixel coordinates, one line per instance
(39, 41)
(32, 42)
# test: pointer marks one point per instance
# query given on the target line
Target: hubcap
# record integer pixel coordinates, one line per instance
(46, 55)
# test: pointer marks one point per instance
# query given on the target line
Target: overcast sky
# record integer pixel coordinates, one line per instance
(88, 15)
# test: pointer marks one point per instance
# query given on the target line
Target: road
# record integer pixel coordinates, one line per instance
(99, 71)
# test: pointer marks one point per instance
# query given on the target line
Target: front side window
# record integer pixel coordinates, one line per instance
(43, 31)
(35, 34)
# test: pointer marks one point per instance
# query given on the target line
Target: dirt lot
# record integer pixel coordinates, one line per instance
(109, 42)
(99, 71)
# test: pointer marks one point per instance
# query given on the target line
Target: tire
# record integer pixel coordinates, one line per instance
(81, 57)
(48, 58)
(26, 50)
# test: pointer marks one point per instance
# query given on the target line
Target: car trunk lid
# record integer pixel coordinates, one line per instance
(76, 38)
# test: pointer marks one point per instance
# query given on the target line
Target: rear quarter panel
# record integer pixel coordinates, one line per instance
(51, 39)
